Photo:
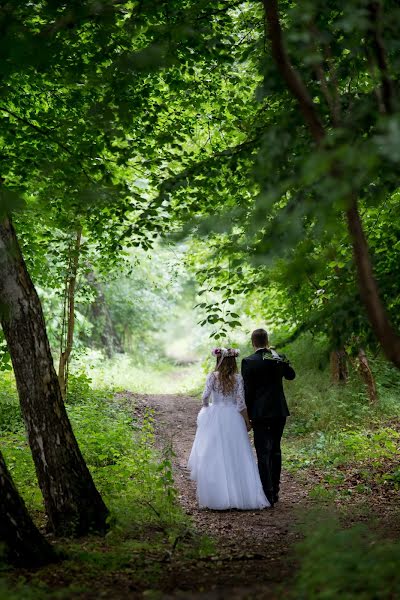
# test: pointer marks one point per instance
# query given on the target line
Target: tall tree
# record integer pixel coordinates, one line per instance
(68, 317)
(321, 142)
(378, 317)
(72, 503)
(61, 120)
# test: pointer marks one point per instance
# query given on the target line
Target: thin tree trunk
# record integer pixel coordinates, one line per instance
(339, 369)
(369, 292)
(22, 545)
(65, 353)
(99, 314)
(367, 376)
(73, 504)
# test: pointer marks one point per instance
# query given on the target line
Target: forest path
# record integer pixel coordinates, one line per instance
(253, 555)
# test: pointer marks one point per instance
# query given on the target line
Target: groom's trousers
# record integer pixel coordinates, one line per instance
(267, 441)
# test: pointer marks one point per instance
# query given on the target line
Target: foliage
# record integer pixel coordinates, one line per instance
(147, 526)
(347, 563)
(119, 450)
(124, 156)
(334, 434)
(79, 388)
(5, 358)
(154, 376)
(277, 200)
(10, 412)
(145, 298)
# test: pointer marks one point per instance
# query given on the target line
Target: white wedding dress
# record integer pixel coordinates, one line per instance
(222, 461)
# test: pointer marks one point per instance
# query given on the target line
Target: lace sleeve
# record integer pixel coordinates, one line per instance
(240, 402)
(208, 389)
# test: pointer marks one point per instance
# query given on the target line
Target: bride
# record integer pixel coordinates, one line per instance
(221, 461)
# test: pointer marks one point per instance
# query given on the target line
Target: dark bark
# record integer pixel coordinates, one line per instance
(369, 292)
(367, 376)
(21, 543)
(73, 505)
(339, 368)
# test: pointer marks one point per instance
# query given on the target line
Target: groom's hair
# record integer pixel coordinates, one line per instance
(259, 338)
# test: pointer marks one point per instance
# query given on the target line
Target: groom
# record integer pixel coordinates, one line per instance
(266, 404)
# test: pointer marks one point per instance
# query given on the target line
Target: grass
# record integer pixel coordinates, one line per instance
(124, 372)
(334, 431)
(351, 563)
(147, 525)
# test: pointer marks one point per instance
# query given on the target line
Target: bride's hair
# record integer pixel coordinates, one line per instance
(227, 370)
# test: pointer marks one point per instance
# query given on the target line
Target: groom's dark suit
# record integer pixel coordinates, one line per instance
(267, 408)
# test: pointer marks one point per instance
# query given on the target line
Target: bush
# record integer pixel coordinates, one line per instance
(10, 412)
(318, 405)
(346, 563)
(135, 480)
(79, 388)
(10, 417)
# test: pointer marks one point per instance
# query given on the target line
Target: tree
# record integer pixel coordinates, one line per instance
(62, 119)
(383, 87)
(73, 505)
(300, 167)
(21, 543)
(68, 318)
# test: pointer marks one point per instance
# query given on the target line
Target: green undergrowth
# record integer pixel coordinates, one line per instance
(155, 376)
(147, 525)
(350, 445)
(347, 563)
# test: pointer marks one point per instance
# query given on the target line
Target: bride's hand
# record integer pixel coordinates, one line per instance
(248, 425)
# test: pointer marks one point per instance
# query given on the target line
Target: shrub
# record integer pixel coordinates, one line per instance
(346, 563)
(10, 412)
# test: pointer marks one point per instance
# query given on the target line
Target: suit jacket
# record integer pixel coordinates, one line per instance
(262, 376)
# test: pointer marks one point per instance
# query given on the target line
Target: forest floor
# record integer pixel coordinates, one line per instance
(252, 556)
(240, 555)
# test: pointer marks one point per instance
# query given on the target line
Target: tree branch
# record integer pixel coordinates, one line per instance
(368, 286)
(369, 290)
(197, 166)
(290, 75)
(332, 100)
(48, 135)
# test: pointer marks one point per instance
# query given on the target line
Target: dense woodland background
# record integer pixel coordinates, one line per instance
(173, 175)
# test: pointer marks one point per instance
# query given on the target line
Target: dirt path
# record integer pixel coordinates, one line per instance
(253, 557)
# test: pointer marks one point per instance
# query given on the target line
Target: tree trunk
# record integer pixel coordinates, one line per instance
(22, 545)
(73, 505)
(98, 313)
(369, 291)
(69, 315)
(339, 370)
(367, 376)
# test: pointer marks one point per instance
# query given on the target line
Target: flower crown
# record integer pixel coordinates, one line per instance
(222, 352)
